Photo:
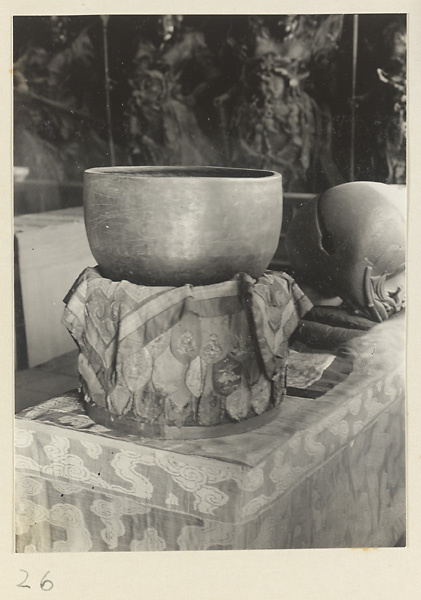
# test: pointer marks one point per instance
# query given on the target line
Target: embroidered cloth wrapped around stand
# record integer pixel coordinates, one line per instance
(184, 362)
(326, 472)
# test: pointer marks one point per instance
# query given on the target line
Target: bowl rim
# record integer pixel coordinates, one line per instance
(187, 172)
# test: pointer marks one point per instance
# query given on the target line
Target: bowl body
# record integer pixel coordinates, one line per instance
(177, 225)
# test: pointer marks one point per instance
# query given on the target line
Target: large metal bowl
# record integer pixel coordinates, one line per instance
(178, 225)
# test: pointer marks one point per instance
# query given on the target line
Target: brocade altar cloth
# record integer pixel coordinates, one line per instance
(327, 472)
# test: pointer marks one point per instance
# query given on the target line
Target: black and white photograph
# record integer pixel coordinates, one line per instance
(209, 217)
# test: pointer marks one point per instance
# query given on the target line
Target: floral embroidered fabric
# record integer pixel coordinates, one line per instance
(305, 368)
(186, 356)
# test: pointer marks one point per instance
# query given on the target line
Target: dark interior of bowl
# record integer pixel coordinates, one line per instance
(224, 172)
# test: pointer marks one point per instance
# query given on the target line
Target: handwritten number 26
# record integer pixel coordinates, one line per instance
(45, 584)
